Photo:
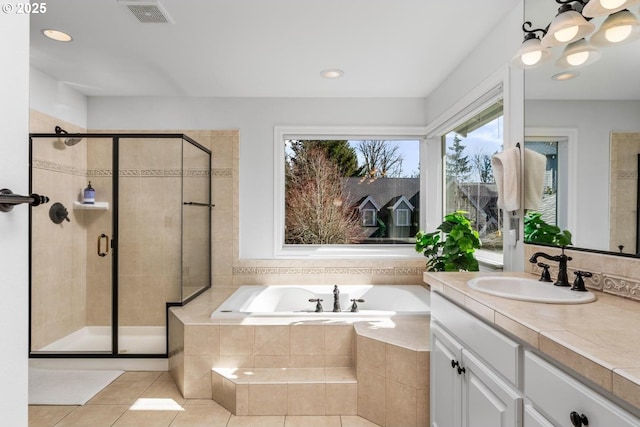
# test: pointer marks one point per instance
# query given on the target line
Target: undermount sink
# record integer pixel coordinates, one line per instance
(519, 288)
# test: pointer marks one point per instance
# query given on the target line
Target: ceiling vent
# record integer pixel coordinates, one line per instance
(147, 11)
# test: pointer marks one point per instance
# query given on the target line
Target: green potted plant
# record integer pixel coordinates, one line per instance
(454, 252)
(536, 230)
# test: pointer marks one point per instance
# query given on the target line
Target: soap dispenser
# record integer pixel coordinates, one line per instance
(89, 195)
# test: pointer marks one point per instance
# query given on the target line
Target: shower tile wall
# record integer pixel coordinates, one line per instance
(59, 251)
(625, 147)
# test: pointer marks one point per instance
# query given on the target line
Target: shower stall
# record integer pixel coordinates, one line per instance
(105, 270)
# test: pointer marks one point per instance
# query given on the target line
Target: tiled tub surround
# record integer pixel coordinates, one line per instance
(599, 341)
(378, 370)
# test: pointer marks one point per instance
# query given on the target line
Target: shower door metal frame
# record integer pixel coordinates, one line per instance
(115, 137)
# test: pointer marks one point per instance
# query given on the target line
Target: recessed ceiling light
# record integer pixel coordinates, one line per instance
(331, 73)
(59, 36)
(567, 75)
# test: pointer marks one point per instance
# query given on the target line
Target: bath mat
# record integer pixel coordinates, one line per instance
(67, 387)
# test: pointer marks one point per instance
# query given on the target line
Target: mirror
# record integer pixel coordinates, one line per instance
(590, 126)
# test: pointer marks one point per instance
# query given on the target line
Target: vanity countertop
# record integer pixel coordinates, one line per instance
(599, 340)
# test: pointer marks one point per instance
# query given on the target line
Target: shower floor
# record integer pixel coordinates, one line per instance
(131, 340)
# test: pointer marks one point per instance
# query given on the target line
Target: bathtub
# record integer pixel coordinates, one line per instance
(293, 300)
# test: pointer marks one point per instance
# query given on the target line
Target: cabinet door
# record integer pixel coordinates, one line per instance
(487, 400)
(445, 381)
(533, 418)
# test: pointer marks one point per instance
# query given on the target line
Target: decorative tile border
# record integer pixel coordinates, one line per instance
(57, 167)
(621, 286)
(72, 170)
(328, 271)
(100, 172)
(222, 173)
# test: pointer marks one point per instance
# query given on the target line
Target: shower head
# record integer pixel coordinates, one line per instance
(69, 142)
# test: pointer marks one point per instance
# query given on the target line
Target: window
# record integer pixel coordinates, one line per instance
(469, 184)
(369, 217)
(343, 191)
(403, 217)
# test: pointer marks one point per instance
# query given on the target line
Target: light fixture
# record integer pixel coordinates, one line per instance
(619, 28)
(565, 75)
(57, 35)
(332, 73)
(531, 53)
(605, 7)
(569, 25)
(578, 54)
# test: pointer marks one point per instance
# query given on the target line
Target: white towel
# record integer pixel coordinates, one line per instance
(506, 170)
(535, 166)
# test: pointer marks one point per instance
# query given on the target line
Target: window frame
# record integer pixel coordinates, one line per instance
(489, 91)
(282, 133)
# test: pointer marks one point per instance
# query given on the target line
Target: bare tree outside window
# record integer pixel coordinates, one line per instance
(380, 159)
(317, 211)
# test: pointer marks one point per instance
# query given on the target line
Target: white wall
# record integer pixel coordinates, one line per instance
(14, 225)
(57, 99)
(255, 118)
(594, 121)
(493, 52)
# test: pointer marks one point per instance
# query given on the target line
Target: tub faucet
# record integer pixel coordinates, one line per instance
(336, 299)
(563, 279)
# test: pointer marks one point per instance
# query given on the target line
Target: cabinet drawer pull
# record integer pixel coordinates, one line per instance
(461, 370)
(454, 363)
(578, 420)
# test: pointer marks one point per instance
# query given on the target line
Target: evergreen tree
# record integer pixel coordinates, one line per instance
(457, 164)
(337, 151)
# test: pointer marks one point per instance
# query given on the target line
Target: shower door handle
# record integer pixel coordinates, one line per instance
(106, 246)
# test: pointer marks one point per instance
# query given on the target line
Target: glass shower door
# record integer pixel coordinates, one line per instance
(71, 256)
(149, 194)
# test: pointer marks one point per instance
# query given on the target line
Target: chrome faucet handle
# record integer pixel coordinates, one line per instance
(545, 276)
(354, 306)
(319, 308)
(578, 284)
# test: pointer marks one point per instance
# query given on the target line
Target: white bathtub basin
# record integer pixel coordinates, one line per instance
(529, 290)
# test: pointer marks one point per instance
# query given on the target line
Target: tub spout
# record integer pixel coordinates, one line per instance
(336, 299)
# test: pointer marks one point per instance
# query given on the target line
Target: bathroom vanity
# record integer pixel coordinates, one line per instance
(502, 362)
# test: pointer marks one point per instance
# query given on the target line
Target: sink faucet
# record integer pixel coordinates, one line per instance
(563, 279)
(336, 299)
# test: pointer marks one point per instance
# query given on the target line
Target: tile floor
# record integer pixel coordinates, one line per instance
(151, 399)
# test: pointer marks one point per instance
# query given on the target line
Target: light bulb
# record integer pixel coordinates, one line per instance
(618, 34)
(611, 4)
(532, 58)
(578, 58)
(566, 34)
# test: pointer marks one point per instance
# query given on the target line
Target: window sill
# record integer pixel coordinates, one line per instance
(349, 252)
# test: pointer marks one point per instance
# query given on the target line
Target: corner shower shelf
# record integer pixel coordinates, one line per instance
(97, 206)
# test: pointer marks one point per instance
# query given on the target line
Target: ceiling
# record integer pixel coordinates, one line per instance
(262, 48)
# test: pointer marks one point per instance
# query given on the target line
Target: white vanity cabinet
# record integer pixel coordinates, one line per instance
(557, 395)
(467, 390)
(482, 378)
